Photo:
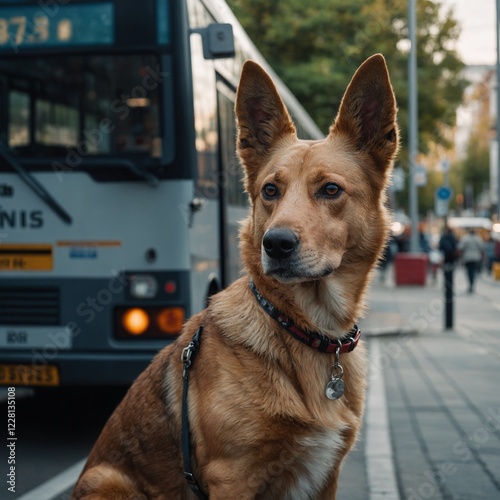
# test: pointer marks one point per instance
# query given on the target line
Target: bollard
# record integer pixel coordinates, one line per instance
(448, 295)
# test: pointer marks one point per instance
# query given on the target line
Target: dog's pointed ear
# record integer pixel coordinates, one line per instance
(368, 112)
(261, 115)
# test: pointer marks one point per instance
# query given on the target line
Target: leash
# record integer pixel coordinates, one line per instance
(187, 357)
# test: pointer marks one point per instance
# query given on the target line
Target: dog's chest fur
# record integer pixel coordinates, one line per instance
(319, 453)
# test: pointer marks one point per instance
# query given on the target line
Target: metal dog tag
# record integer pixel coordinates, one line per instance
(335, 389)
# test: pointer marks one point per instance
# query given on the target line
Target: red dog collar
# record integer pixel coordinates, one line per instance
(314, 340)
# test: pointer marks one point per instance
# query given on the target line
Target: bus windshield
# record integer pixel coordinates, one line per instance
(86, 105)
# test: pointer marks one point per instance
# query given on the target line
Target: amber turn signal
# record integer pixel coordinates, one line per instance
(170, 320)
(135, 321)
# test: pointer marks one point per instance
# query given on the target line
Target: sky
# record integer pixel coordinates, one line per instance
(477, 43)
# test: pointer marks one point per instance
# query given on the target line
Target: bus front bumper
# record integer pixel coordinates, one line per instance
(72, 368)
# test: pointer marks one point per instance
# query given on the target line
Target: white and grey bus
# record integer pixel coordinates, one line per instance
(120, 190)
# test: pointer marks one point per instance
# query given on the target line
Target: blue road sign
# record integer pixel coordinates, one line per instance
(443, 193)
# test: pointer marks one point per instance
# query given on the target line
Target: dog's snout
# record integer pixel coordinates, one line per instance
(280, 243)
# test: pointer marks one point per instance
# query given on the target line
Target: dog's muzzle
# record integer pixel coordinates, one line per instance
(281, 258)
(280, 244)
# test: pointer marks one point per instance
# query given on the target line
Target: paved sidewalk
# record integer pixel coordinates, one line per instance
(442, 394)
(411, 309)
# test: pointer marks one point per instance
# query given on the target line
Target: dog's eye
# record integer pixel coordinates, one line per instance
(270, 191)
(331, 190)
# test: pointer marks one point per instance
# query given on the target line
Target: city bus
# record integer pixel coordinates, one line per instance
(120, 189)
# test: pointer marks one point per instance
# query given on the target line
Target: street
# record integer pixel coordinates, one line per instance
(54, 430)
(432, 421)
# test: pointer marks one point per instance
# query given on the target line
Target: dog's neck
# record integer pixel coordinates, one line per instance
(326, 304)
(330, 305)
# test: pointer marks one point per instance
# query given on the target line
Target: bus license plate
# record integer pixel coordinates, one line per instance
(29, 375)
(29, 257)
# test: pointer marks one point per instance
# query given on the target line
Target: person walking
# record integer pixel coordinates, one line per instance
(471, 249)
(448, 246)
(489, 250)
(496, 250)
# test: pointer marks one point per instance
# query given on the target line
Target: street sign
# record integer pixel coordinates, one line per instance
(420, 175)
(443, 193)
(445, 165)
(442, 197)
(440, 207)
(398, 179)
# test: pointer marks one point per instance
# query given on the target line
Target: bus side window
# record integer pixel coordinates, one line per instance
(19, 118)
(235, 203)
(56, 123)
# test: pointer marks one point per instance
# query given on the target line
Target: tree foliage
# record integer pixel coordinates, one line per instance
(474, 169)
(472, 173)
(316, 46)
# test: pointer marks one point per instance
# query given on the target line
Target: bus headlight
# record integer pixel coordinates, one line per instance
(143, 286)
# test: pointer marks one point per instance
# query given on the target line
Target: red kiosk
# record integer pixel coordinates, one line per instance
(410, 268)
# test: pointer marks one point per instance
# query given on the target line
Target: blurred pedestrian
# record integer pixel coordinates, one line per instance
(471, 248)
(448, 246)
(496, 251)
(495, 267)
(423, 242)
(435, 259)
(390, 250)
(489, 250)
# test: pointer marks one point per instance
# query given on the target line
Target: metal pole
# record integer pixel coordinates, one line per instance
(498, 107)
(413, 125)
(448, 268)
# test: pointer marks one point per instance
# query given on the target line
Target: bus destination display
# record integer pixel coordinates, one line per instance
(27, 26)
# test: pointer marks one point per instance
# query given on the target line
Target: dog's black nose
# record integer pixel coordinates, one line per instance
(280, 243)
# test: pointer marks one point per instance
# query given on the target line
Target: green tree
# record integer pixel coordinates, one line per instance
(426, 193)
(474, 170)
(316, 46)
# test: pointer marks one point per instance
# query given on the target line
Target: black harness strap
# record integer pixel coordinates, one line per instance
(188, 355)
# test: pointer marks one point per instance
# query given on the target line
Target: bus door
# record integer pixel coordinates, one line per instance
(205, 232)
(234, 203)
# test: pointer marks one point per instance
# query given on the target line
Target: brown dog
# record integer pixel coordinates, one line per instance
(266, 412)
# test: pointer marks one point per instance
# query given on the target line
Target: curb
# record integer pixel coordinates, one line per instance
(388, 331)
